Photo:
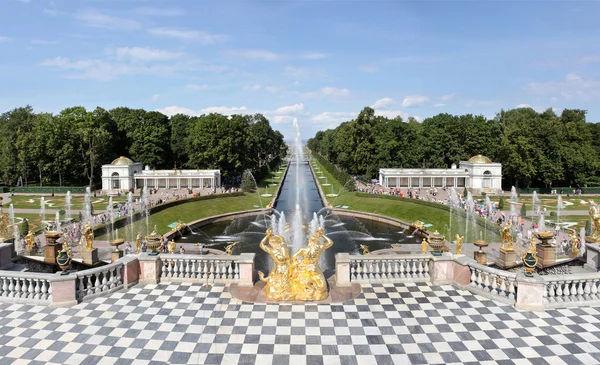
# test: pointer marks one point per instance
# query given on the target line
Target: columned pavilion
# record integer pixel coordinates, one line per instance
(479, 173)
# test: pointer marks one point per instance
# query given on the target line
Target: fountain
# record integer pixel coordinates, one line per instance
(130, 213)
(146, 206)
(57, 222)
(535, 202)
(87, 206)
(42, 209)
(68, 206)
(559, 207)
(514, 200)
(249, 182)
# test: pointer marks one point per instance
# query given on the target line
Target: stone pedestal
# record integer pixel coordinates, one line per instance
(90, 257)
(115, 255)
(506, 259)
(480, 257)
(531, 292)
(593, 256)
(546, 254)
(50, 253)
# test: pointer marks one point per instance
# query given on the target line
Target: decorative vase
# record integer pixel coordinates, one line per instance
(437, 242)
(480, 256)
(64, 261)
(529, 261)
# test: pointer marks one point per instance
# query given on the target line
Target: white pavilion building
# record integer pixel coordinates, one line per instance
(123, 175)
(478, 174)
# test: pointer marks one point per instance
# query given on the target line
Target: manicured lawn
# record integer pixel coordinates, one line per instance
(550, 202)
(58, 202)
(34, 221)
(406, 211)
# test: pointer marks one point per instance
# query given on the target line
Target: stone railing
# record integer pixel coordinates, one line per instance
(382, 268)
(238, 269)
(26, 287)
(493, 283)
(571, 290)
(102, 280)
(212, 268)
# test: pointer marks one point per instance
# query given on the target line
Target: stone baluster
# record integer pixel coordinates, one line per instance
(473, 277)
(426, 269)
(594, 289)
(44, 290)
(236, 270)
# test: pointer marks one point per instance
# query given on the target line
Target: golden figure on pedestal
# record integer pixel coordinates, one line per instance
(229, 248)
(595, 216)
(138, 243)
(575, 242)
(3, 227)
(507, 239)
(88, 233)
(171, 246)
(459, 241)
(29, 241)
(301, 277)
(424, 245)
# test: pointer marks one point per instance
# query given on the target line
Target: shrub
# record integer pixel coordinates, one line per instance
(62, 212)
(523, 210)
(588, 227)
(465, 192)
(501, 203)
(553, 214)
(24, 227)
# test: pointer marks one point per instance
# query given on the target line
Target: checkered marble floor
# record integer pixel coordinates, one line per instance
(387, 324)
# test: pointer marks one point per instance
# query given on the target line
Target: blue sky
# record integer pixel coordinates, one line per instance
(319, 61)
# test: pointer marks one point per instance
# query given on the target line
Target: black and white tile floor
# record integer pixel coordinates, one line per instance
(386, 324)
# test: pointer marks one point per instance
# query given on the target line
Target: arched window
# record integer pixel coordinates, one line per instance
(487, 179)
(116, 182)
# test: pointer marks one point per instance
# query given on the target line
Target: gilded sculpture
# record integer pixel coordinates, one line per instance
(424, 245)
(459, 241)
(507, 239)
(29, 241)
(138, 243)
(229, 248)
(299, 278)
(365, 249)
(88, 233)
(171, 246)
(3, 227)
(595, 216)
(575, 242)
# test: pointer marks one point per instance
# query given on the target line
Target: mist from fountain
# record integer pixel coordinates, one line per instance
(248, 175)
(146, 207)
(43, 209)
(130, 215)
(514, 200)
(11, 213)
(17, 236)
(87, 208)
(110, 211)
(542, 223)
(68, 206)
(57, 222)
(582, 240)
(559, 207)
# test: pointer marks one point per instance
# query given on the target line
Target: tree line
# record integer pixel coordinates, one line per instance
(68, 148)
(536, 149)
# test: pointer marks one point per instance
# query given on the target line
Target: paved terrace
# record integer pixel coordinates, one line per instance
(412, 323)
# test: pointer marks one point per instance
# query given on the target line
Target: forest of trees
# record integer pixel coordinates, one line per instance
(535, 149)
(69, 148)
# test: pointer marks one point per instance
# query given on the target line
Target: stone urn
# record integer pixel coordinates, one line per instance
(116, 243)
(437, 242)
(529, 261)
(63, 260)
(51, 249)
(480, 256)
(544, 236)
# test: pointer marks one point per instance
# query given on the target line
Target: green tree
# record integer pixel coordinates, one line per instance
(501, 203)
(523, 211)
(24, 227)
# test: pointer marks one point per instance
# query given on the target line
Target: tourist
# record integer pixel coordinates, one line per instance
(181, 250)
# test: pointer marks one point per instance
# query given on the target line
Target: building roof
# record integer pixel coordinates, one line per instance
(479, 159)
(122, 161)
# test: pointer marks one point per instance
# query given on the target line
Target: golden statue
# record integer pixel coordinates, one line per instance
(301, 277)
(459, 240)
(30, 241)
(595, 215)
(278, 285)
(229, 248)
(575, 242)
(308, 281)
(365, 249)
(424, 245)
(66, 246)
(418, 225)
(507, 239)
(3, 227)
(171, 246)
(88, 233)
(138, 243)
(180, 226)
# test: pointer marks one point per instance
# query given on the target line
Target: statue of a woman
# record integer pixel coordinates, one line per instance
(459, 240)
(88, 233)
(138, 243)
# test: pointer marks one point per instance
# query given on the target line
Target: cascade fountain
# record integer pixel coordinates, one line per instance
(11, 213)
(514, 200)
(535, 202)
(542, 223)
(110, 211)
(130, 215)
(68, 206)
(146, 207)
(87, 208)
(17, 235)
(57, 222)
(42, 209)
(559, 207)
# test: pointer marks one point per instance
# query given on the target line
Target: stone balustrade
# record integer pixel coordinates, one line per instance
(382, 268)
(493, 283)
(212, 268)
(99, 281)
(571, 290)
(25, 287)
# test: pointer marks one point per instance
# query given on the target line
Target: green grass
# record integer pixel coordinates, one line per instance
(550, 202)
(58, 202)
(405, 211)
(192, 211)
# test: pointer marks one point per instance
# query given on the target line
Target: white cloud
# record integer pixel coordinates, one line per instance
(439, 105)
(254, 87)
(523, 106)
(290, 109)
(554, 99)
(25, 1)
(382, 103)
(279, 119)
(327, 92)
(172, 110)
(223, 110)
(256, 54)
(297, 72)
(370, 69)
(590, 59)
(573, 86)
(196, 87)
(95, 18)
(147, 54)
(154, 97)
(4, 39)
(415, 100)
(391, 114)
(448, 97)
(314, 55)
(332, 119)
(188, 35)
(271, 89)
(42, 42)
(158, 11)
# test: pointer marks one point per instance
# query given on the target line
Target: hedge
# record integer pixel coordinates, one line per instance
(341, 176)
(48, 189)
